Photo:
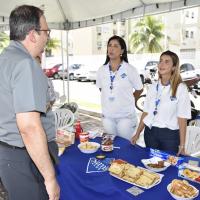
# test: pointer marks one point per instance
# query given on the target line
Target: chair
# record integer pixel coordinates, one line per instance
(192, 144)
(73, 107)
(64, 118)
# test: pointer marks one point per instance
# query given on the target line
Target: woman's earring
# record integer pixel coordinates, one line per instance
(120, 55)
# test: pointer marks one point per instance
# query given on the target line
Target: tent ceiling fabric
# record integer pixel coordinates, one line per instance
(72, 14)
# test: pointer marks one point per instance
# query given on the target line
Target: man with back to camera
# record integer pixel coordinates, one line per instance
(27, 130)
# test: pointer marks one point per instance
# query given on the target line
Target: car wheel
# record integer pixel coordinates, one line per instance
(71, 77)
(56, 76)
(139, 104)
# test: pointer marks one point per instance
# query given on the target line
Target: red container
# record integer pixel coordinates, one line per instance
(78, 129)
(84, 137)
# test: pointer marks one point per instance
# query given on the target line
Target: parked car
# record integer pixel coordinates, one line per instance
(53, 71)
(188, 71)
(150, 73)
(151, 65)
(85, 73)
(72, 68)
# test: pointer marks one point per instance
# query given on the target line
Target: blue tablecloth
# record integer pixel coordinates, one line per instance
(76, 184)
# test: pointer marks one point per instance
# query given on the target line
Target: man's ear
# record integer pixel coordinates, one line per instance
(32, 36)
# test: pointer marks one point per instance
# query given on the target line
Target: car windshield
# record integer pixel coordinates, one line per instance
(151, 63)
(186, 67)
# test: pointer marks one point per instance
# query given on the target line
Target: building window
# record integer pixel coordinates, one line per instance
(99, 29)
(114, 32)
(187, 14)
(186, 34)
(123, 23)
(191, 34)
(99, 45)
(192, 15)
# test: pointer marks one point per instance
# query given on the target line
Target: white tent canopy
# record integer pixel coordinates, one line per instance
(72, 14)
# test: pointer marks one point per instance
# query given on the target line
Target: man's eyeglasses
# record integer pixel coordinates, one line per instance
(48, 31)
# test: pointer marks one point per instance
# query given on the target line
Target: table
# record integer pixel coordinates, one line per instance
(76, 184)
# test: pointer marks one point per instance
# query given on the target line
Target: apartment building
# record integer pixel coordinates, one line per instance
(181, 30)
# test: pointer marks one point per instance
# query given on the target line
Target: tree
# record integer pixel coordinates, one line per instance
(147, 36)
(52, 44)
(4, 40)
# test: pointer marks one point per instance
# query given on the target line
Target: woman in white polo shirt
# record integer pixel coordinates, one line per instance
(120, 85)
(167, 108)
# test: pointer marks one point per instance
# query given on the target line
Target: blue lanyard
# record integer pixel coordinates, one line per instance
(112, 77)
(158, 98)
(157, 101)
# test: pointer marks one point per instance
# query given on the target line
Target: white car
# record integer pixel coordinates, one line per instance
(72, 68)
(151, 65)
(85, 73)
(151, 71)
(188, 71)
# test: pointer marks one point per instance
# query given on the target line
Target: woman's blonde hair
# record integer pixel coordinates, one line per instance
(175, 79)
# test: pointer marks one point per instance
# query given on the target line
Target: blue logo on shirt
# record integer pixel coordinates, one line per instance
(123, 75)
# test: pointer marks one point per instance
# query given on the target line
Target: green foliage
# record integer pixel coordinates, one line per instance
(147, 36)
(52, 44)
(4, 40)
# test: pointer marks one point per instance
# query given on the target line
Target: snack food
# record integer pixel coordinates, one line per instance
(117, 169)
(189, 174)
(134, 175)
(159, 164)
(173, 160)
(155, 164)
(133, 172)
(89, 147)
(182, 189)
(144, 180)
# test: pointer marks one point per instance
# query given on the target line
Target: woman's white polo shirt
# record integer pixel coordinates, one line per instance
(169, 108)
(120, 102)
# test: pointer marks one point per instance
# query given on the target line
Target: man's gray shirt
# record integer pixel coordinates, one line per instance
(23, 88)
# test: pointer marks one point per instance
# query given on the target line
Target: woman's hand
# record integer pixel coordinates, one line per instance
(181, 151)
(135, 138)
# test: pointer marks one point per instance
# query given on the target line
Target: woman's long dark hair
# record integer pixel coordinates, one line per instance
(122, 45)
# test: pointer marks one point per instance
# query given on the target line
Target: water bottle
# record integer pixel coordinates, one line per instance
(78, 129)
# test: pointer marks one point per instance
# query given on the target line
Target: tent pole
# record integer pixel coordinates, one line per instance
(63, 82)
(67, 52)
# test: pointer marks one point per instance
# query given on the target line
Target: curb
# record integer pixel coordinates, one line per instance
(91, 113)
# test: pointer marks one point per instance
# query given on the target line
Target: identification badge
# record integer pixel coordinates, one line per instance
(173, 98)
(111, 98)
